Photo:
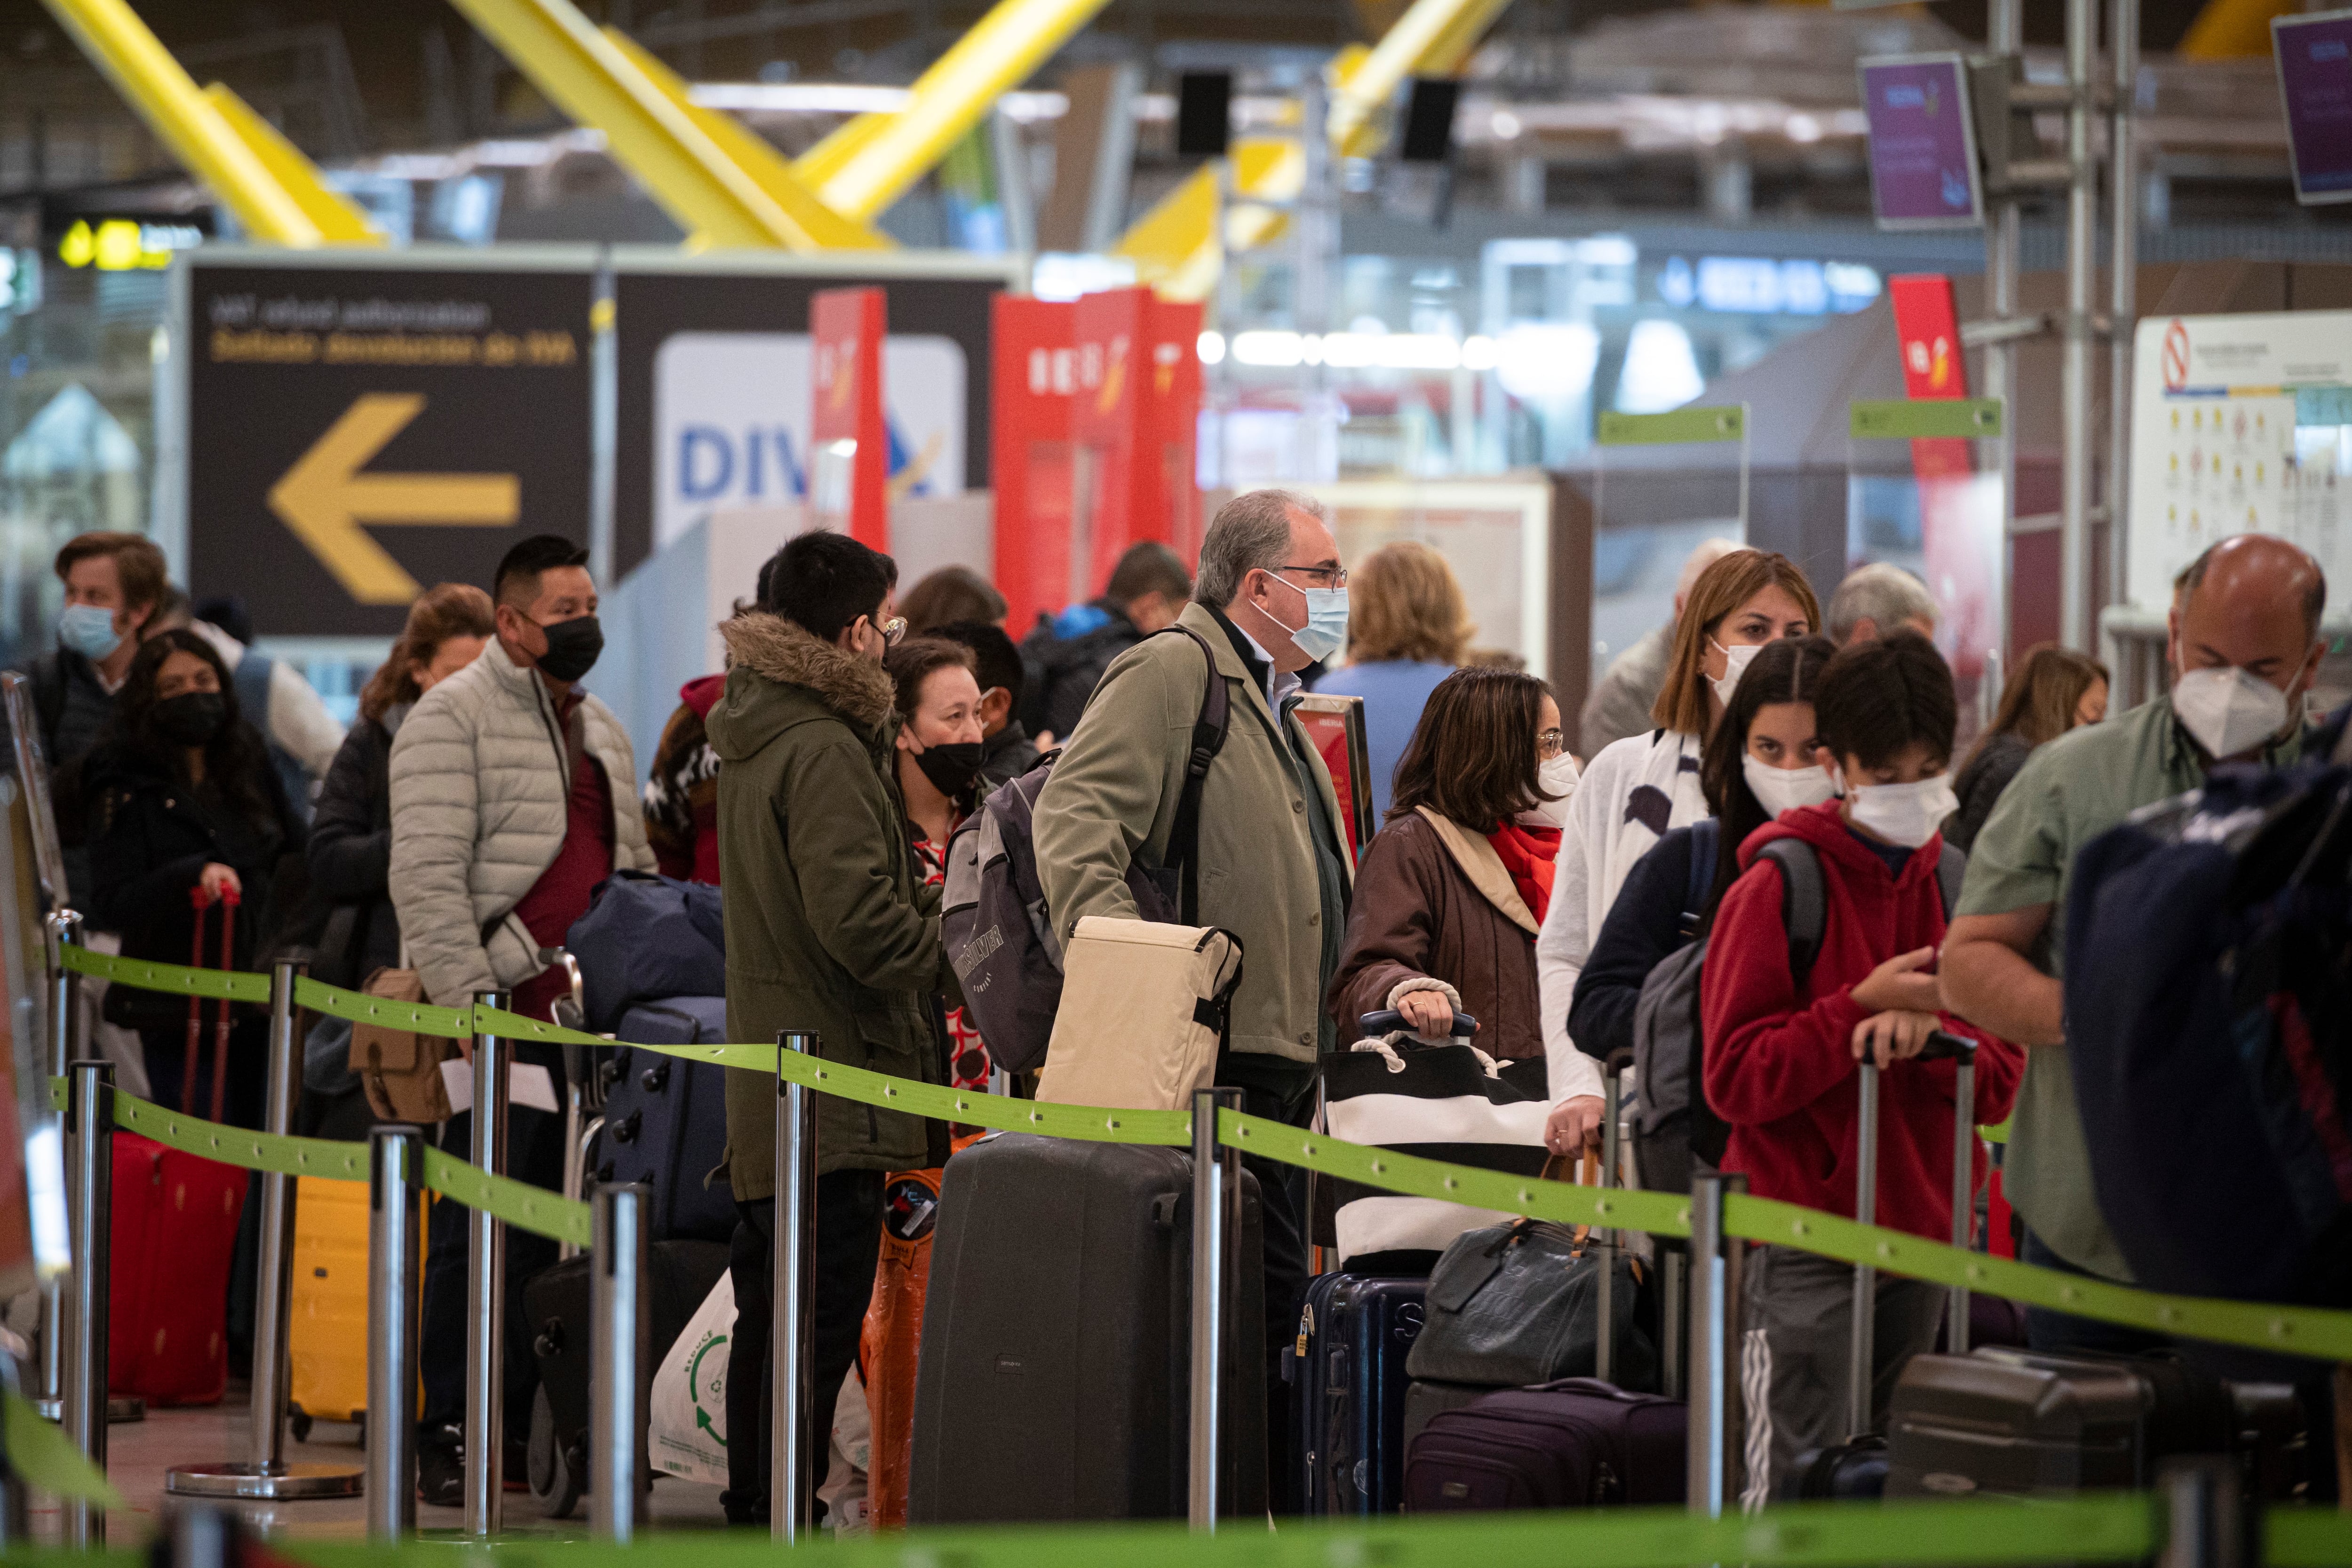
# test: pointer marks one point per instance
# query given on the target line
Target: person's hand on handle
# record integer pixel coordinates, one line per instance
(1892, 1036)
(1896, 985)
(1573, 1125)
(1428, 1011)
(217, 879)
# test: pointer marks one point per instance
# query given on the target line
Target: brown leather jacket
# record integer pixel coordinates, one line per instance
(1434, 902)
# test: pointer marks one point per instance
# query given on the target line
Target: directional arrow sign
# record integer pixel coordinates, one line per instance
(324, 499)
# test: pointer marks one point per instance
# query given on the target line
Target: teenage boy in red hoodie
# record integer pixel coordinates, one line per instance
(1781, 1064)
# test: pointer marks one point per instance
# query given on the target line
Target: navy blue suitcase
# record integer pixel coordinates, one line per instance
(665, 1118)
(1347, 1391)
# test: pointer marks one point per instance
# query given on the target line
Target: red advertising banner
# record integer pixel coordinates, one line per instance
(849, 437)
(1176, 420)
(1109, 425)
(1961, 532)
(1035, 384)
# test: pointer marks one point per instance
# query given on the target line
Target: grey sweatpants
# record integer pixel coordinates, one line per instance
(1796, 1358)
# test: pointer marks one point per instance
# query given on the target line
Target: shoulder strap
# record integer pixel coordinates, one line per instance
(251, 679)
(1700, 880)
(1208, 739)
(1804, 904)
(1951, 869)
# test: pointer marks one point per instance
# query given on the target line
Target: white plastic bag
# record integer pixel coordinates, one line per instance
(689, 1434)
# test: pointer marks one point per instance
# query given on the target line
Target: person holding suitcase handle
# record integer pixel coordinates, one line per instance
(1780, 1052)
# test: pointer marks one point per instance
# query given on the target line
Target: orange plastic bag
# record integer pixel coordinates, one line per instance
(893, 1336)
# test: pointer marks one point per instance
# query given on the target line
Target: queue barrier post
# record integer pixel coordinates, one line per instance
(266, 1474)
(791, 1346)
(620, 1315)
(1216, 1238)
(90, 1198)
(2207, 1521)
(65, 1013)
(486, 1262)
(1715, 1283)
(395, 1177)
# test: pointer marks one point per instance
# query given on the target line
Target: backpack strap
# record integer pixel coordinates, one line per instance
(1705, 841)
(1805, 903)
(1208, 739)
(1951, 869)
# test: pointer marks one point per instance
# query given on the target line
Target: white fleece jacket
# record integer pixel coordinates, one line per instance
(1632, 794)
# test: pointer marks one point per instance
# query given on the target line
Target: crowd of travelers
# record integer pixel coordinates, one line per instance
(1527, 872)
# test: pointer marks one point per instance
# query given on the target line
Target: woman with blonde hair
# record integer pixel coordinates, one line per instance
(1407, 628)
(2054, 690)
(1644, 785)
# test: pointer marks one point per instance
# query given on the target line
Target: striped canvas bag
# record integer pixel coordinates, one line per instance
(1451, 1103)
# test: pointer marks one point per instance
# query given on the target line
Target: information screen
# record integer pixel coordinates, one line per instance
(1923, 149)
(2314, 67)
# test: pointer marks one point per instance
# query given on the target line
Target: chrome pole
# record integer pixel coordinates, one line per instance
(1964, 1190)
(486, 1260)
(266, 1474)
(90, 1195)
(1715, 1283)
(620, 1317)
(792, 1333)
(2123, 299)
(2206, 1521)
(396, 1175)
(65, 1011)
(1217, 1228)
(1862, 1330)
(1605, 1346)
(2075, 364)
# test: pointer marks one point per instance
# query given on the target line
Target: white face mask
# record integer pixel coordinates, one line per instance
(2229, 710)
(1736, 661)
(1557, 776)
(1905, 813)
(1786, 789)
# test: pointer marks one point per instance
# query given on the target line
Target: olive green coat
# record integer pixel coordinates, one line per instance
(829, 927)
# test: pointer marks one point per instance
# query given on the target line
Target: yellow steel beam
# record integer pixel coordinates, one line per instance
(337, 217)
(587, 76)
(822, 161)
(2233, 29)
(755, 156)
(997, 55)
(185, 121)
(1413, 45)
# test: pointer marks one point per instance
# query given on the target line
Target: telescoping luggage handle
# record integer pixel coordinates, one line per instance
(1963, 1052)
(203, 901)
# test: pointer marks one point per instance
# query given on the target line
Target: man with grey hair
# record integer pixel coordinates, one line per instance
(1879, 598)
(1268, 860)
(1621, 700)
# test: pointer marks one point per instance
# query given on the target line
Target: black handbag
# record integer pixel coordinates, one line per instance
(1518, 1304)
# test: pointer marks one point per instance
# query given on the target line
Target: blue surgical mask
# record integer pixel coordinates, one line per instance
(90, 631)
(1326, 631)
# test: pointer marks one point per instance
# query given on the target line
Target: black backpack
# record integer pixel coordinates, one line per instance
(1676, 1131)
(998, 934)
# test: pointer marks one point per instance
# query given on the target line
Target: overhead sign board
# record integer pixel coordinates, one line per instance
(357, 434)
(2314, 71)
(1923, 149)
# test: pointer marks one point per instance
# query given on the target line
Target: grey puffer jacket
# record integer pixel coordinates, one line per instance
(479, 799)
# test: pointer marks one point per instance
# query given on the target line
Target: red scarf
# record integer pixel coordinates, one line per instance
(1528, 855)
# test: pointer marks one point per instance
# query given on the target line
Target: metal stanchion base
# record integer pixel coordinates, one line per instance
(120, 1410)
(279, 1481)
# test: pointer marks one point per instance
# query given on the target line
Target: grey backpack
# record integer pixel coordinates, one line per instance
(1676, 1131)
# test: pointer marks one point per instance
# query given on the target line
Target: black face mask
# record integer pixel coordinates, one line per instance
(191, 719)
(571, 648)
(950, 768)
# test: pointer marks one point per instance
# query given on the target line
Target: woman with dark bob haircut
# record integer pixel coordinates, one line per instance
(1451, 891)
(178, 795)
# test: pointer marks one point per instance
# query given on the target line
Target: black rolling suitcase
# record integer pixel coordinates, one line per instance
(1052, 1382)
(555, 1311)
(1348, 1383)
(665, 1118)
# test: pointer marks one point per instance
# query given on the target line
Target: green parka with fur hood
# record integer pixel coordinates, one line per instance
(829, 927)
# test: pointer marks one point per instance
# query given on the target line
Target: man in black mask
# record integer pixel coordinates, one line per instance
(512, 797)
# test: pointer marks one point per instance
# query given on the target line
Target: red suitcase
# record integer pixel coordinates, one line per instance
(173, 1234)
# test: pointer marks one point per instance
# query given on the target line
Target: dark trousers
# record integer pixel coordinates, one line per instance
(534, 1154)
(848, 1245)
(2049, 1330)
(1278, 1090)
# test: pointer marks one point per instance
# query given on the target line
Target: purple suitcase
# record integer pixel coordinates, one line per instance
(1577, 1443)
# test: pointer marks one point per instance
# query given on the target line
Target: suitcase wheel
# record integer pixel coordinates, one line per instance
(299, 1422)
(554, 1484)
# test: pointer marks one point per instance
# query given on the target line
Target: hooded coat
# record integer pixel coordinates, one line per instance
(829, 927)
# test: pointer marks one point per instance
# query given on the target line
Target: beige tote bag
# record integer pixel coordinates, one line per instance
(1144, 1008)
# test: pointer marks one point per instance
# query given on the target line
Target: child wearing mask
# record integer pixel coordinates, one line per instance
(1780, 1065)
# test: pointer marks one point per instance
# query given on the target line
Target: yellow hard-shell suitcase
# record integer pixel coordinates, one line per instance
(328, 1339)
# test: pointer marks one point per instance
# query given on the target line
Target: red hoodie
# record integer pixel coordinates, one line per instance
(1781, 1067)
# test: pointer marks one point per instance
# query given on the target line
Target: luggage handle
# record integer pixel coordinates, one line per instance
(1389, 1021)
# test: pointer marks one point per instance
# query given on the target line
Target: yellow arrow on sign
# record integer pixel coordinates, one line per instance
(325, 498)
